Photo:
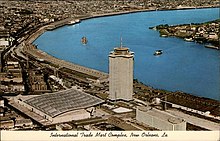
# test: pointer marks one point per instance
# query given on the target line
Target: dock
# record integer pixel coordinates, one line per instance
(211, 46)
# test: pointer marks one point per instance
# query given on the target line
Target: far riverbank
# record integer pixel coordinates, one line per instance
(204, 33)
(67, 21)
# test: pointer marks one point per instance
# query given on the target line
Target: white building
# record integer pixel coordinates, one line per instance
(121, 62)
(5, 39)
(2, 103)
(160, 119)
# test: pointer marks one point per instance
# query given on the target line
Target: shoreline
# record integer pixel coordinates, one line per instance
(142, 10)
(191, 33)
(31, 38)
(66, 22)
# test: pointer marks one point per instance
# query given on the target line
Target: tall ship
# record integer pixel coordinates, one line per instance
(84, 40)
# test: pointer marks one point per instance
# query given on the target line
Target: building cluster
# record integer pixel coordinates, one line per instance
(11, 120)
(11, 79)
(37, 82)
(21, 16)
(208, 32)
(202, 33)
(175, 4)
(5, 43)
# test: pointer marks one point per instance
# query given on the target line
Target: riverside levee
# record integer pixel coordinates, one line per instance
(63, 64)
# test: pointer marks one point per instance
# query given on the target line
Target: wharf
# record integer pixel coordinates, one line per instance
(213, 47)
(64, 64)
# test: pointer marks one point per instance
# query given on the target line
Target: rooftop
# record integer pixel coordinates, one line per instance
(161, 115)
(122, 52)
(63, 101)
(122, 110)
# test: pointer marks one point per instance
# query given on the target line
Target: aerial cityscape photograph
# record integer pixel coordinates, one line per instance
(109, 65)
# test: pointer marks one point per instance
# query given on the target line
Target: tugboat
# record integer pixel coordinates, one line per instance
(84, 40)
(158, 52)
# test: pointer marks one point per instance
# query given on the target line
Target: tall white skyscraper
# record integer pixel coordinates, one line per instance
(121, 62)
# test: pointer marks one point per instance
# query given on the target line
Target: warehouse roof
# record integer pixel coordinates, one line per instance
(60, 102)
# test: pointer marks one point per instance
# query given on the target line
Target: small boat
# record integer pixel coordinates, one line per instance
(188, 39)
(158, 52)
(84, 40)
(164, 35)
(71, 22)
(77, 21)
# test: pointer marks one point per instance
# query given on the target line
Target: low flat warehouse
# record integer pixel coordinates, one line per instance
(160, 119)
(60, 106)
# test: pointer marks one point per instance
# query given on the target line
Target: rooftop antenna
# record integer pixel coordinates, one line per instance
(121, 42)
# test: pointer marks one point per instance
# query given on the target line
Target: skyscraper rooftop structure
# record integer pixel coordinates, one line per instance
(121, 62)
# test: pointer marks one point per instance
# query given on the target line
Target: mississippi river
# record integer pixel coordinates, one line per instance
(183, 66)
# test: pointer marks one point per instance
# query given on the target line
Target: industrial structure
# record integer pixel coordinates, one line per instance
(58, 107)
(121, 62)
(160, 119)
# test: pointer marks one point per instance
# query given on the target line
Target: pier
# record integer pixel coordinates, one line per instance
(213, 47)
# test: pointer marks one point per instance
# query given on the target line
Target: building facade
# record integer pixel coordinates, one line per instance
(37, 81)
(121, 62)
